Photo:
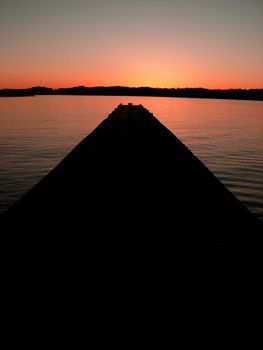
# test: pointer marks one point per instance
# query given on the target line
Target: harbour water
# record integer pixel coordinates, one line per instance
(37, 132)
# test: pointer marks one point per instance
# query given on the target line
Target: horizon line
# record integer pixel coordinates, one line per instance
(128, 87)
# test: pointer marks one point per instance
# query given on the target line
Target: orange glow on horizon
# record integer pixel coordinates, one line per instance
(162, 69)
(142, 83)
(132, 71)
(155, 79)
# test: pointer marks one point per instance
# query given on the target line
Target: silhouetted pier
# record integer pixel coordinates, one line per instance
(132, 225)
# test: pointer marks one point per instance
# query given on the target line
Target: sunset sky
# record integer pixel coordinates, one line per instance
(158, 43)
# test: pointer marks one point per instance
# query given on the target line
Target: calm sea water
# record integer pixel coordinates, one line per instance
(37, 132)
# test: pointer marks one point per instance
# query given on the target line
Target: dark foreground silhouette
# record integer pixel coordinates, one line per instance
(236, 94)
(131, 225)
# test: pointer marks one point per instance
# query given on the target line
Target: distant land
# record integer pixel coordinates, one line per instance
(235, 94)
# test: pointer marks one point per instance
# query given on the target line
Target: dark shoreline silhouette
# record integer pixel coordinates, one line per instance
(131, 225)
(236, 94)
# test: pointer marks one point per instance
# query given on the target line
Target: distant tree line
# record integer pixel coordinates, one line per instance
(237, 94)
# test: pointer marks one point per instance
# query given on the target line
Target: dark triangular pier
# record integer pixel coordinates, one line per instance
(132, 225)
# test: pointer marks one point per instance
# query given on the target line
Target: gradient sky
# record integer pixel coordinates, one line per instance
(158, 43)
